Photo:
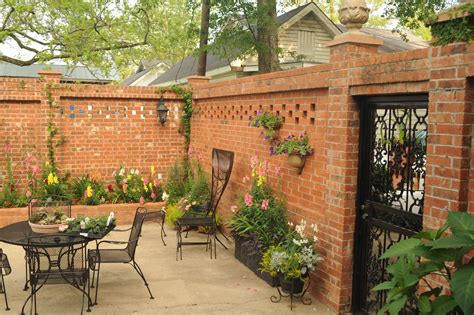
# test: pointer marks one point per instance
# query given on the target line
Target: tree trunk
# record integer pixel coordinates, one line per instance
(203, 37)
(267, 36)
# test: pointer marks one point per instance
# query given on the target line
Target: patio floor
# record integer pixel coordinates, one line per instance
(195, 285)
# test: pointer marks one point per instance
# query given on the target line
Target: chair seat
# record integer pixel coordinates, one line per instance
(198, 221)
(109, 256)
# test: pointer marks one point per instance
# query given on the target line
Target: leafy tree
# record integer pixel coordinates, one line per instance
(204, 37)
(104, 33)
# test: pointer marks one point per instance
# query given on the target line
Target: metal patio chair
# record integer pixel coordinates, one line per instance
(5, 270)
(50, 204)
(57, 259)
(222, 163)
(126, 255)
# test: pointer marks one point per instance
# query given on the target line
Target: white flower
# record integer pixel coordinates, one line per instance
(137, 172)
(314, 227)
(87, 220)
(165, 196)
(132, 171)
(83, 225)
(193, 203)
(122, 172)
(290, 223)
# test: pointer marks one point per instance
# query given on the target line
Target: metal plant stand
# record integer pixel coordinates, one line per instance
(292, 296)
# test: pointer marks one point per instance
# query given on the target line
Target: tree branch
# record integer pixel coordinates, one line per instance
(9, 14)
(21, 45)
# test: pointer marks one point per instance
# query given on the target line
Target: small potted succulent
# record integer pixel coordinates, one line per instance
(297, 149)
(293, 259)
(270, 123)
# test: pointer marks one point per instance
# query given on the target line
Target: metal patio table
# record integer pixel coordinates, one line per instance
(20, 234)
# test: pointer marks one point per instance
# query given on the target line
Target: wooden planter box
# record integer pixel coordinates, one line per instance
(247, 256)
(124, 212)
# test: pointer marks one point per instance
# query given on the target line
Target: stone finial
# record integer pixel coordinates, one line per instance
(353, 14)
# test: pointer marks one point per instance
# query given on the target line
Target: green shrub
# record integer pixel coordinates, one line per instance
(176, 184)
(173, 213)
(87, 190)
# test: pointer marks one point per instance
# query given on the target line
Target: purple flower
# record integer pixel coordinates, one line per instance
(286, 150)
(272, 150)
(260, 112)
(266, 137)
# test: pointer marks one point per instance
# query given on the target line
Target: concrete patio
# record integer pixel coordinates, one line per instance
(195, 285)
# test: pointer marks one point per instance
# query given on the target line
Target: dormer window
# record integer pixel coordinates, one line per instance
(305, 42)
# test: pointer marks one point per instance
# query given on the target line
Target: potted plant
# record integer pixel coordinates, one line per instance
(259, 220)
(43, 222)
(293, 259)
(297, 149)
(270, 123)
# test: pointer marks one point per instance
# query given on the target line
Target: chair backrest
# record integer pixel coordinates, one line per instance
(222, 163)
(50, 205)
(140, 215)
(4, 264)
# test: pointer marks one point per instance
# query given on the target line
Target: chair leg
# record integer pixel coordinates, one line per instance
(140, 273)
(97, 283)
(5, 293)
(163, 229)
(25, 288)
(93, 277)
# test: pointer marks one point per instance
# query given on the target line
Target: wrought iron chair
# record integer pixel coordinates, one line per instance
(126, 255)
(50, 204)
(5, 270)
(222, 163)
(55, 259)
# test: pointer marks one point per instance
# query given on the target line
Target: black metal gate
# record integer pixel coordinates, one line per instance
(392, 162)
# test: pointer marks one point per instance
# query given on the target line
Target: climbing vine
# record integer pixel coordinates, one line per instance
(456, 30)
(187, 97)
(51, 141)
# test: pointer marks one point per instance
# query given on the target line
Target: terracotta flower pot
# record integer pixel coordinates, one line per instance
(45, 229)
(297, 161)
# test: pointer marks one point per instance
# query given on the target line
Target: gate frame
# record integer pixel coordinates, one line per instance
(366, 105)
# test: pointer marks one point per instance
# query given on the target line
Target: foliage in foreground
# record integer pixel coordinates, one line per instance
(442, 254)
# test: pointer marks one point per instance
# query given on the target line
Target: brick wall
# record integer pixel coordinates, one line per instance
(103, 126)
(320, 101)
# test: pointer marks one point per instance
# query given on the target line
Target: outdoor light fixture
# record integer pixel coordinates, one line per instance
(162, 111)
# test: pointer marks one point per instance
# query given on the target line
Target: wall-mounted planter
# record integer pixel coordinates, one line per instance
(297, 161)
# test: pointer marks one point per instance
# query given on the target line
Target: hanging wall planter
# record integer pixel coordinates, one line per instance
(297, 149)
(297, 161)
(270, 123)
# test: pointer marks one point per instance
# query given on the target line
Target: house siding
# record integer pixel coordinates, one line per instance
(288, 40)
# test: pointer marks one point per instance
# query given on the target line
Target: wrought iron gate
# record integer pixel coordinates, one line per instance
(391, 188)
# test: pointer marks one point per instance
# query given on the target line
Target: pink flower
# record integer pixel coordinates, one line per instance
(114, 173)
(125, 180)
(253, 161)
(153, 196)
(157, 183)
(265, 204)
(190, 151)
(145, 181)
(245, 179)
(28, 194)
(86, 195)
(248, 200)
(7, 148)
(277, 171)
(142, 200)
(35, 171)
(33, 201)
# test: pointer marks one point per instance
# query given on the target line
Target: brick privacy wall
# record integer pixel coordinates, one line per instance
(320, 101)
(103, 126)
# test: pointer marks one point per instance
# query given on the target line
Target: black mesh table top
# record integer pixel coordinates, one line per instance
(19, 233)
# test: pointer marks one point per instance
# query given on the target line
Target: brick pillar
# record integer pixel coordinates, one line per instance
(50, 76)
(450, 117)
(342, 158)
(197, 80)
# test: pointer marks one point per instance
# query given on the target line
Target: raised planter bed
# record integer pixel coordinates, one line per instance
(124, 212)
(247, 256)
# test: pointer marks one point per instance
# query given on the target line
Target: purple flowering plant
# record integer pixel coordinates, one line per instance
(293, 145)
(270, 123)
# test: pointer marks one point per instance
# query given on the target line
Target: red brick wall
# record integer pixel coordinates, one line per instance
(320, 101)
(112, 125)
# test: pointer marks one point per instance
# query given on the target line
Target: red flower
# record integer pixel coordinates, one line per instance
(120, 186)
(110, 188)
(46, 181)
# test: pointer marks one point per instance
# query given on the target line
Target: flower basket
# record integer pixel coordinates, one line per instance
(297, 161)
(291, 286)
(45, 228)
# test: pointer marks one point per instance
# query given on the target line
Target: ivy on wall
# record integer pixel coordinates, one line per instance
(457, 29)
(51, 140)
(187, 96)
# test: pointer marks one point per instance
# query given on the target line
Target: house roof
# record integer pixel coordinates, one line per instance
(392, 43)
(70, 74)
(144, 67)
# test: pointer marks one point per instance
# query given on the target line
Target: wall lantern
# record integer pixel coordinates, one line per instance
(162, 111)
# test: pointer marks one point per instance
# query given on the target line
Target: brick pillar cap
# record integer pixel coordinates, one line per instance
(50, 73)
(198, 78)
(355, 38)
